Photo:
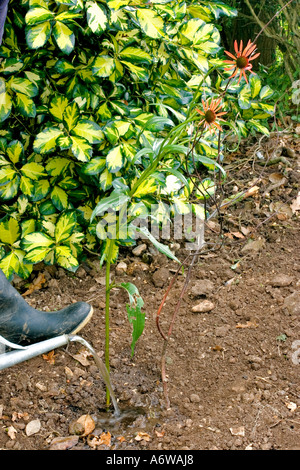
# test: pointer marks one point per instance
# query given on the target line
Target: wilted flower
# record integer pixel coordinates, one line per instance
(211, 115)
(241, 62)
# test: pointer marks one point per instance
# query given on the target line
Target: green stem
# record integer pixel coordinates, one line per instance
(107, 299)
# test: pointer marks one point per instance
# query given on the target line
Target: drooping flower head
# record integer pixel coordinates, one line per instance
(241, 62)
(211, 115)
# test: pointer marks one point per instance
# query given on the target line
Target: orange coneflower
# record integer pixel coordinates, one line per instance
(241, 62)
(210, 113)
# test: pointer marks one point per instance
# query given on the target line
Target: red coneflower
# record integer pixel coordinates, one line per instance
(241, 62)
(210, 113)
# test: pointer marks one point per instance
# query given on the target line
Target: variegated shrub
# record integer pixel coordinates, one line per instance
(87, 91)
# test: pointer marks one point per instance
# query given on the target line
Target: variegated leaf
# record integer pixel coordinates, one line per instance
(25, 105)
(57, 107)
(150, 22)
(64, 37)
(9, 230)
(115, 159)
(89, 130)
(81, 149)
(65, 226)
(45, 141)
(96, 17)
(38, 15)
(38, 35)
(23, 85)
(103, 66)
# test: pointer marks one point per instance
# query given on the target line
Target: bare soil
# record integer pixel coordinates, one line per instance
(233, 371)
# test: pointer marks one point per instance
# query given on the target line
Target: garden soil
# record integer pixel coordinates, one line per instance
(232, 370)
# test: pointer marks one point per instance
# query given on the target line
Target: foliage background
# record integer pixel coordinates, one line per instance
(87, 91)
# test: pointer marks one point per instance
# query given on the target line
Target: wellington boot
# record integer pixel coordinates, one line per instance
(23, 325)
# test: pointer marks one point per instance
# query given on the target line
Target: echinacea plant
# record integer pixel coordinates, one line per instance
(211, 115)
(240, 63)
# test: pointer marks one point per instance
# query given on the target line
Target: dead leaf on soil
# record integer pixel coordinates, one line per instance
(37, 284)
(233, 235)
(121, 439)
(82, 357)
(248, 324)
(11, 432)
(277, 178)
(103, 439)
(88, 424)
(291, 406)
(217, 348)
(283, 211)
(49, 357)
(19, 415)
(295, 206)
(160, 433)
(142, 436)
(64, 443)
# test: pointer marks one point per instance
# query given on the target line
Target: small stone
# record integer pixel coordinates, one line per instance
(281, 280)
(121, 268)
(33, 427)
(205, 306)
(238, 431)
(291, 303)
(139, 250)
(195, 398)
(202, 287)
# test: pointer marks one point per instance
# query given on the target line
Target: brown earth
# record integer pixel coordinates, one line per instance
(233, 371)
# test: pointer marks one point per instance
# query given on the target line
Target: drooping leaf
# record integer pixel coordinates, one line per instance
(135, 315)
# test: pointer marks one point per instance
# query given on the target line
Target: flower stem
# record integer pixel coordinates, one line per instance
(107, 299)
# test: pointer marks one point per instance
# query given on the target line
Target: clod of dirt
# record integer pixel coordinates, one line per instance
(202, 287)
(160, 277)
(254, 245)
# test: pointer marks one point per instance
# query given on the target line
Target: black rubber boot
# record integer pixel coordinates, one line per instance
(21, 324)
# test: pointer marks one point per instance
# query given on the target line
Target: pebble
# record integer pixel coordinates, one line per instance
(139, 250)
(281, 280)
(291, 303)
(121, 268)
(194, 398)
(205, 306)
